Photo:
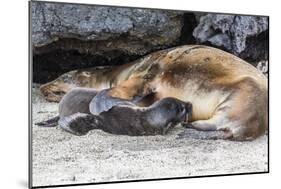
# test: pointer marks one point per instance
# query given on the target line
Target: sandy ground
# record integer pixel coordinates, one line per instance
(62, 158)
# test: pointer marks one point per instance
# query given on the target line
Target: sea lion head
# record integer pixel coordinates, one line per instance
(96, 77)
(54, 91)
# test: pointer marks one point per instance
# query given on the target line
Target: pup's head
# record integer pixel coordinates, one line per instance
(175, 110)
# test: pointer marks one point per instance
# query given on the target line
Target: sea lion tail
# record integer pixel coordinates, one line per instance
(49, 123)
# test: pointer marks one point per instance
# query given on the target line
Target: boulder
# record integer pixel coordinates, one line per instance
(244, 36)
(73, 36)
(101, 29)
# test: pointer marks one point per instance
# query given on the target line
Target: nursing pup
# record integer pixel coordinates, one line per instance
(117, 116)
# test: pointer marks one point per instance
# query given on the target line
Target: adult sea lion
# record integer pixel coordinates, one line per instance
(227, 93)
(117, 116)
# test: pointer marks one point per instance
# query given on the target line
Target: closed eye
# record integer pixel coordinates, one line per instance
(59, 93)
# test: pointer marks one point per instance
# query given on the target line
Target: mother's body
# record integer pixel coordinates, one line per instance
(226, 92)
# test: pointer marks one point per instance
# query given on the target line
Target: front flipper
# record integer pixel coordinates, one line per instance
(168, 127)
(49, 123)
(138, 86)
(78, 123)
(102, 102)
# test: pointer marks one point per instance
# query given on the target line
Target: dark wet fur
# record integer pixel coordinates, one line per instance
(117, 116)
(121, 119)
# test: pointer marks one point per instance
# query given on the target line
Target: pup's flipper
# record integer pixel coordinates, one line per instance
(78, 123)
(49, 123)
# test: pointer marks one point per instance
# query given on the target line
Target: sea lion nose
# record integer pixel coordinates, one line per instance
(188, 108)
(182, 114)
(51, 94)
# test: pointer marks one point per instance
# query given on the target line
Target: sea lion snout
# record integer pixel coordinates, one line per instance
(184, 112)
(188, 111)
(55, 91)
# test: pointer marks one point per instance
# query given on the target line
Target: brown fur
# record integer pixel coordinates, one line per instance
(227, 93)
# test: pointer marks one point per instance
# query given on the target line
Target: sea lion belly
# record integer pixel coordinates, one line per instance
(205, 102)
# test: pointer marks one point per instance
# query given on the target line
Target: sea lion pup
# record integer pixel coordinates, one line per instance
(129, 119)
(76, 100)
(116, 116)
(81, 100)
(227, 93)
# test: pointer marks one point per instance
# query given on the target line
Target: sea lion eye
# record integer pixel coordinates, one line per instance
(59, 93)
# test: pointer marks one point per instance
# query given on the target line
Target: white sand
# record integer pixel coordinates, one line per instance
(62, 158)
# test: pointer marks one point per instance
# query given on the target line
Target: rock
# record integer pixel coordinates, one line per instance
(263, 67)
(73, 36)
(134, 31)
(244, 36)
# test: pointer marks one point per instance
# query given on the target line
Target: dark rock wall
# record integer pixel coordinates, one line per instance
(69, 36)
(244, 36)
(135, 31)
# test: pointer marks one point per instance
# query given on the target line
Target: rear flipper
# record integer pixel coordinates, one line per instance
(204, 135)
(49, 123)
(78, 123)
(205, 129)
